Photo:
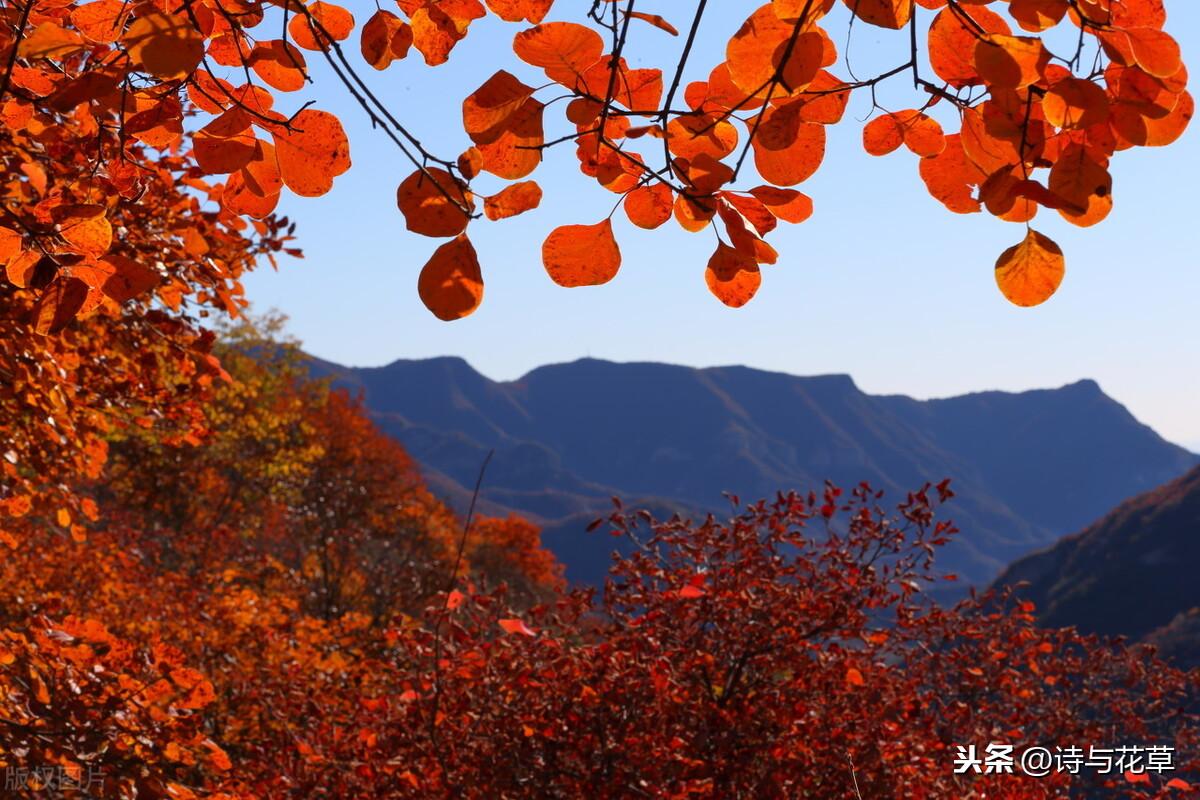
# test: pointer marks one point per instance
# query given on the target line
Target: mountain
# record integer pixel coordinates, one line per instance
(1028, 467)
(1132, 573)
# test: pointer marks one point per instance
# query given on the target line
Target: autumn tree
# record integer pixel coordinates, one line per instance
(295, 469)
(785, 653)
(263, 563)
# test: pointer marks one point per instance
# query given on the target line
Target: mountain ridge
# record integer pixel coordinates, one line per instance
(1029, 467)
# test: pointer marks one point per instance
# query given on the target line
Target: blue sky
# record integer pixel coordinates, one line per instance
(882, 282)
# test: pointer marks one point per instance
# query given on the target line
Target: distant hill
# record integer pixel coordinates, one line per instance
(1028, 467)
(1134, 572)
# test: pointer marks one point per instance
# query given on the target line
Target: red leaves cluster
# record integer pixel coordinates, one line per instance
(265, 615)
(760, 658)
(1022, 109)
(1041, 112)
(224, 627)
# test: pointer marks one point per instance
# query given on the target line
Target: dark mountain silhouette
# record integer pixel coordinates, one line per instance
(1132, 573)
(1028, 468)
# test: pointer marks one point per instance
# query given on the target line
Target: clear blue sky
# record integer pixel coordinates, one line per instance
(882, 283)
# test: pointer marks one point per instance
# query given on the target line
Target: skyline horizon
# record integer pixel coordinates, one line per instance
(1190, 445)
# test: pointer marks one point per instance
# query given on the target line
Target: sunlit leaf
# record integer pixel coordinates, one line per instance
(451, 285)
(582, 255)
(1030, 272)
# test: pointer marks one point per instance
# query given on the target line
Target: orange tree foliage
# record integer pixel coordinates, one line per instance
(146, 145)
(785, 653)
(232, 603)
(300, 470)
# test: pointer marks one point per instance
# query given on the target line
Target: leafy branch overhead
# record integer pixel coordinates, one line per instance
(1036, 127)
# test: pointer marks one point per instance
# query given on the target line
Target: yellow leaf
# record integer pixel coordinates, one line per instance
(1030, 272)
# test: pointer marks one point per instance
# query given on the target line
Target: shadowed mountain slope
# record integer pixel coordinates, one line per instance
(1133, 572)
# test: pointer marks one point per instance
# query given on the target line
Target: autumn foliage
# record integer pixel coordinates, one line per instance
(786, 652)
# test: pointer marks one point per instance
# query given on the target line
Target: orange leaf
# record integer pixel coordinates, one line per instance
(430, 201)
(1030, 272)
(516, 626)
(582, 255)
(510, 147)
(1011, 62)
(694, 215)
(564, 50)
(1084, 183)
(226, 144)
(332, 19)
(313, 153)
(787, 204)
(655, 20)
(649, 206)
(754, 56)
(254, 189)
(1075, 103)
(788, 153)
(470, 162)
(691, 136)
(512, 200)
(164, 45)
(488, 110)
(754, 210)
(438, 27)
(261, 175)
(118, 277)
(11, 244)
(1137, 13)
(952, 44)
(892, 14)
(1136, 777)
(1155, 51)
(922, 134)
(279, 64)
(1007, 196)
(1138, 129)
(742, 234)
(451, 285)
(1038, 15)
(733, 277)
(951, 177)
(159, 126)
(385, 38)
(58, 305)
(49, 40)
(533, 11)
(635, 89)
(854, 677)
(85, 227)
(101, 21)
(883, 135)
